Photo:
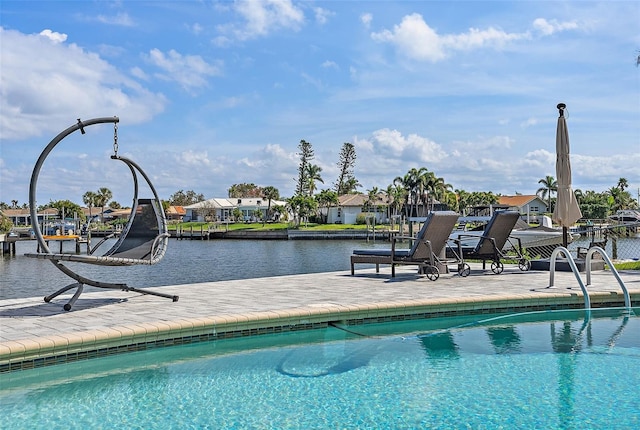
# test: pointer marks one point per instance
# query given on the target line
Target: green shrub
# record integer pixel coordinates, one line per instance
(5, 224)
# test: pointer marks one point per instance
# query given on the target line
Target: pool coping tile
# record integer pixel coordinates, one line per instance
(335, 297)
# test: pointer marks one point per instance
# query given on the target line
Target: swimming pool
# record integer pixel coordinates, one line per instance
(561, 369)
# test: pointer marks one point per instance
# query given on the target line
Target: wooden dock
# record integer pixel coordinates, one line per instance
(8, 244)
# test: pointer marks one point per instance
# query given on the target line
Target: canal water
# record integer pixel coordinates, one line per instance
(186, 261)
(195, 261)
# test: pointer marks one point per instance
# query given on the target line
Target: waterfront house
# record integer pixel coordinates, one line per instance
(531, 207)
(217, 209)
(22, 216)
(250, 205)
(209, 210)
(352, 205)
(175, 213)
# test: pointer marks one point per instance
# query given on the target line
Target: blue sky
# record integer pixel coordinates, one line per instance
(213, 93)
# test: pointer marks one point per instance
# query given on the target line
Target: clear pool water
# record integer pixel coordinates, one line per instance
(547, 370)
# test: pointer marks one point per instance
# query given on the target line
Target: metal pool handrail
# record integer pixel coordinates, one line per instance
(576, 272)
(602, 252)
(574, 269)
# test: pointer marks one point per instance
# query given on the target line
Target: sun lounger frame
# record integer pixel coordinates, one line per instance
(146, 228)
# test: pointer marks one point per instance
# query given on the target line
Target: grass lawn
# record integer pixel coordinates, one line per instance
(257, 226)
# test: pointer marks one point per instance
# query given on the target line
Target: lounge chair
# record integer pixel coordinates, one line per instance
(426, 246)
(491, 243)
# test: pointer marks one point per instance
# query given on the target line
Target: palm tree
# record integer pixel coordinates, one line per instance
(623, 183)
(102, 198)
(313, 175)
(372, 197)
(395, 196)
(579, 195)
(549, 185)
(424, 186)
(326, 199)
(89, 198)
(402, 182)
(351, 185)
(269, 193)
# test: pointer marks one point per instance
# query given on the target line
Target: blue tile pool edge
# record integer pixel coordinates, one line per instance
(63, 348)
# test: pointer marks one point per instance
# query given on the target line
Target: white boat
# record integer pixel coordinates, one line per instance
(626, 216)
(540, 240)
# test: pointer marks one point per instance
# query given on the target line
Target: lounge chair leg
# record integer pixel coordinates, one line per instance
(61, 290)
(153, 293)
(71, 302)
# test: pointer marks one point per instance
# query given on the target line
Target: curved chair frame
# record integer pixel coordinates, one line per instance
(110, 258)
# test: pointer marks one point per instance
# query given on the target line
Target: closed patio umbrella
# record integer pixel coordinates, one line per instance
(567, 211)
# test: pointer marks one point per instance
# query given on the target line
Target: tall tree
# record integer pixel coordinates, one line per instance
(345, 166)
(306, 155)
(405, 183)
(549, 186)
(103, 196)
(244, 190)
(313, 176)
(351, 185)
(623, 183)
(396, 196)
(372, 199)
(298, 204)
(67, 209)
(90, 199)
(270, 193)
(182, 198)
(326, 199)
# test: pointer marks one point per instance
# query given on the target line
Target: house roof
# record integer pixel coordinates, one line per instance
(212, 204)
(516, 201)
(118, 213)
(359, 200)
(253, 202)
(176, 210)
(25, 212)
(234, 203)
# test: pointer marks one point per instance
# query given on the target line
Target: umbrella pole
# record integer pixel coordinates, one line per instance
(564, 236)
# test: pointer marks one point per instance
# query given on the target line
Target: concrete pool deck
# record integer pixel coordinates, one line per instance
(104, 322)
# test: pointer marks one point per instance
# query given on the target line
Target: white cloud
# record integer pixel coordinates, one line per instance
(195, 28)
(121, 19)
(412, 147)
(53, 36)
(192, 158)
(190, 71)
(549, 27)
(529, 122)
(46, 83)
(322, 15)
(139, 73)
(263, 17)
(366, 19)
(475, 38)
(330, 65)
(415, 39)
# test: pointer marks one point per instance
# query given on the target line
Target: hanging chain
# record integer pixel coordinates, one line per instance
(115, 139)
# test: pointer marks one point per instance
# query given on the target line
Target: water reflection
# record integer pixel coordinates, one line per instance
(504, 339)
(187, 261)
(440, 346)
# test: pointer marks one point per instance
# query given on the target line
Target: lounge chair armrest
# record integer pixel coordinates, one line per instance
(518, 241)
(403, 238)
(460, 236)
